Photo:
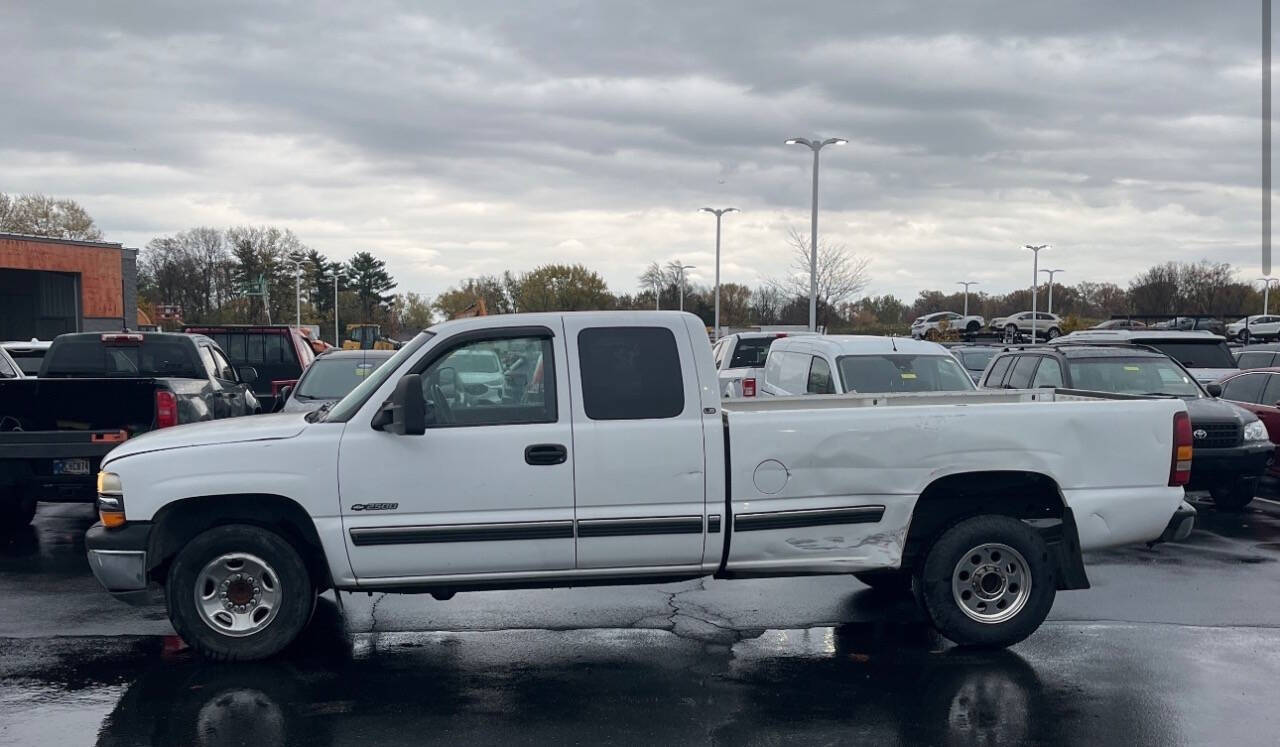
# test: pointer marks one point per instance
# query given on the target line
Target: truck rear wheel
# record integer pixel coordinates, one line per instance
(987, 581)
(239, 592)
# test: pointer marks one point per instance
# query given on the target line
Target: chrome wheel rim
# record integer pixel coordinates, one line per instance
(991, 583)
(237, 594)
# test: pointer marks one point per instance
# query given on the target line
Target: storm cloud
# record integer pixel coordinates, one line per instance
(456, 138)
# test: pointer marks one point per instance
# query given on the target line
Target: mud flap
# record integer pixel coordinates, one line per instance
(1064, 548)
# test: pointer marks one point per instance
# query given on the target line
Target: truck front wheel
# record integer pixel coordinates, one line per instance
(17, 509)
(987, 581)
(239, 592)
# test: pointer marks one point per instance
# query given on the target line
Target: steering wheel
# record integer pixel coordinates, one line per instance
(444, 413)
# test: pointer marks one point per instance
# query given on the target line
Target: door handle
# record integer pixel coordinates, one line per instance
(545, 454)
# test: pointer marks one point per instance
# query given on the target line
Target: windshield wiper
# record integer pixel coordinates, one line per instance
(1162, 394)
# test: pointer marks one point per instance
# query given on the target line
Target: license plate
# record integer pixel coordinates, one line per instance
(70, 466)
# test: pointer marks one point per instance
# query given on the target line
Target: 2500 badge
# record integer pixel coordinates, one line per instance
(375, 507)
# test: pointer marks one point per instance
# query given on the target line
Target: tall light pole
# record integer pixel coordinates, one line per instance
(1051, 273)
(814, 145)
(682, 268)
(966, 284)
(718, 214)
(337, 338)
(1035, 283)
(1266, 293)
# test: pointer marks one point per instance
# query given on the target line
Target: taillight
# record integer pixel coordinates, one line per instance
(1180, 466)
(126, 338)
(166, 409)
(278, 384)
(748, 387)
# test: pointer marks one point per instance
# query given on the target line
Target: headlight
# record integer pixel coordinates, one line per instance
(110, 500)
(1255, 431)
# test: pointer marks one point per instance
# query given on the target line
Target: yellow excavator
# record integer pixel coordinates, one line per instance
(367, 337)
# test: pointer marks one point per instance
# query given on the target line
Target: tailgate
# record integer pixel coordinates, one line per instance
(79, 405)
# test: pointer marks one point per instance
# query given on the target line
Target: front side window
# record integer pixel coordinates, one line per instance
(630, 373)
(224, 369)
(876, 374)
(1048, 375)
(1247, 388)
(469, 385)
(207, 359)
(820, 381)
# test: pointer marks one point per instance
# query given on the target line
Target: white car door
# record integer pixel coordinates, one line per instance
(488, 488)
(639, 466)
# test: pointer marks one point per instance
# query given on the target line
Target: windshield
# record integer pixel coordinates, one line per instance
(1144, 375)
(875, 374)
(976, 360)
(1196, 353)
(347, 406)
(479, 361)
(160, 357)
(333, 378)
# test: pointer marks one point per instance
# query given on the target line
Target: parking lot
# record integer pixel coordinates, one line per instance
(1176, 644)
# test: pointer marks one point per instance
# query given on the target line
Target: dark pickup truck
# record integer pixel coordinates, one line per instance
(95, 391)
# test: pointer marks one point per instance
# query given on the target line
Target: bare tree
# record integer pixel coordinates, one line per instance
(841, 274)
(42, 215)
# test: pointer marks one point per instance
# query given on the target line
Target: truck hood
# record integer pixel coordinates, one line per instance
(227, 431)
(1209, 410)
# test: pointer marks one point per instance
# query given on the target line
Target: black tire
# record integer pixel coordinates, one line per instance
(16, 510)
(889, 581)
(1053, 333)
(973, 328)
(293, 609)
(933, 582)
(1232, 497)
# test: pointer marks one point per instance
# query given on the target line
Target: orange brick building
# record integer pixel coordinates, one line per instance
(52, 286)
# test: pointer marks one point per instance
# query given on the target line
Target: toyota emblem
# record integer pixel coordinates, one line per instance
(1200, 433)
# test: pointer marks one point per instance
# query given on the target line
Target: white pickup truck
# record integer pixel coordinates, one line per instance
(615, 462)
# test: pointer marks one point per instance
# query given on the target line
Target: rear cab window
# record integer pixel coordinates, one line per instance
(876, 374)
(751, 352)
(91, 356)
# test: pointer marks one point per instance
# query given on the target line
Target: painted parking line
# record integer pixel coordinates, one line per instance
(1268, 500)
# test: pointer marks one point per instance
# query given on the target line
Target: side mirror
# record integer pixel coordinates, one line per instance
(1214, 389)
(248, 374)
(405, 412)
(282, 396)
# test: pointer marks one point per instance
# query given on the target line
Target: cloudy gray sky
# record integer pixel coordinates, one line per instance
(456, 138)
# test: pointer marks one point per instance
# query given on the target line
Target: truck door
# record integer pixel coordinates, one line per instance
(639, 466)
(488, 488)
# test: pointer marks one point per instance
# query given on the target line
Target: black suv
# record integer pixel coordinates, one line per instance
(1231, 452)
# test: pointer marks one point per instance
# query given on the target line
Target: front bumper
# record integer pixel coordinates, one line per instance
(1221, 467)
(118, 559)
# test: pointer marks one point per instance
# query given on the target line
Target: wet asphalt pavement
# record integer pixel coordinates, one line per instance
(1179, 644)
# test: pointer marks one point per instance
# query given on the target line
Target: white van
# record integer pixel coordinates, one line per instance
(844, 364)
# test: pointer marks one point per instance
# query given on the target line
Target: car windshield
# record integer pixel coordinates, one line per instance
(334, 378)
(167, 358)
(874, 374)
(347, 406)
(1138, 375)
(475, 362)
(1196, 353)
(751, 352)
(976, 360)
